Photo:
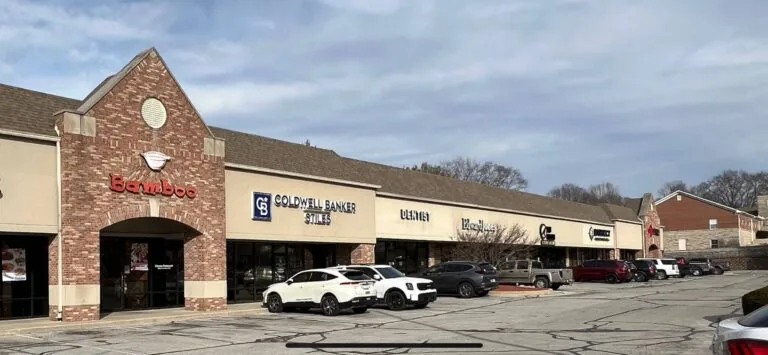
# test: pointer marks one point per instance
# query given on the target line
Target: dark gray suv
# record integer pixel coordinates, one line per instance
(465, 278)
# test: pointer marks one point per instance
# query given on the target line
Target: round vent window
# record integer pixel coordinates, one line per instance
(153, 112)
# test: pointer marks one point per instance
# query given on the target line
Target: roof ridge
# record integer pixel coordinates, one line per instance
(271, 139)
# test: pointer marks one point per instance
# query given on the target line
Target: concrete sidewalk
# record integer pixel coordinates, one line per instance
(128, 317)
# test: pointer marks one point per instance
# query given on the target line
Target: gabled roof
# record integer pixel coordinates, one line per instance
(713, 203)
(639, 205)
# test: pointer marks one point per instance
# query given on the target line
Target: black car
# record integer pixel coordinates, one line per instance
(687, 268)
(646, 270)
(709, 266)
(465, 278)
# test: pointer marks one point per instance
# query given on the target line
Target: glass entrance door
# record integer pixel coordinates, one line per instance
(140, 273)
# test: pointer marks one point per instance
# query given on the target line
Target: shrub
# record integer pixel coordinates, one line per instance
(754, 300)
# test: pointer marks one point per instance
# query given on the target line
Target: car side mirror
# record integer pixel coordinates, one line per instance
(288, 282)
(377, 277)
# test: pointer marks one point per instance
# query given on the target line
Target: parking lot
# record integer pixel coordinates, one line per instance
(672, 316)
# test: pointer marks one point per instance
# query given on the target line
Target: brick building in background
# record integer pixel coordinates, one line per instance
(653, 240)
(695, 223)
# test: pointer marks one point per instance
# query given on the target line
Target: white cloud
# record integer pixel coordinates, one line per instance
(538, 84)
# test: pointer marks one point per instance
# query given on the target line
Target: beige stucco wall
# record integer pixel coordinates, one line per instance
(444, 220)
(29, 202)
(629, 236)
(287, 223)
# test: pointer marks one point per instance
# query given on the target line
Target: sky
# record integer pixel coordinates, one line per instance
(632, 92)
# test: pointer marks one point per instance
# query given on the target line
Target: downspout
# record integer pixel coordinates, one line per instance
(59, 268)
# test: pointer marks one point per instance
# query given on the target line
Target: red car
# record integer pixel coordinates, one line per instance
(611, 271)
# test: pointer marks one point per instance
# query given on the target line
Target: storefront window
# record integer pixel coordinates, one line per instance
(408, 257)
(24, 287)
(252, 267)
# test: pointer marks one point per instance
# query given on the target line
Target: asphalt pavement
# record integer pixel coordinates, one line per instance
(674, 316)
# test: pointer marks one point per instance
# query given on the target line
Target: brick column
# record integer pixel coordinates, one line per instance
(435, 254)
(205, 283)
(362, 254)
(81, 291)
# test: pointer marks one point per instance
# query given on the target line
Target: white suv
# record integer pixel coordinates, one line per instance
(665, 267)
(331, 290)
(395, 289)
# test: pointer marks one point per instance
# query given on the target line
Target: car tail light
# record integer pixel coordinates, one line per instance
(747, 347)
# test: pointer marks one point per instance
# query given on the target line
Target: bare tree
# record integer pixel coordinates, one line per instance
(604, 192)
(429, 168)
(672, 186)
(493, 246)
(570, 192)
(488, 173)
(733, 188)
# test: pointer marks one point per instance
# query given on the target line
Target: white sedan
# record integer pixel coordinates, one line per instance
(329, 289)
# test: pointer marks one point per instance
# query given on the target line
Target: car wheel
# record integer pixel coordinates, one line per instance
(420, 305)
(611, 279)
(395, 300)
(466, 290)
(541, 282)
(330, 305)
(641, 278)
(482, 293)
(696, 272)
(661, 275)
(359, 310)
(274, 303)
(717, 271)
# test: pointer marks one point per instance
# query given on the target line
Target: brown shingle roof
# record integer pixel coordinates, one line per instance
(419, 184)
(30, 111)
(634, 204)
(619, 212)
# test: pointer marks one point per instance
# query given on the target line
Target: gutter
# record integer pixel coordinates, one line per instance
(59, 267)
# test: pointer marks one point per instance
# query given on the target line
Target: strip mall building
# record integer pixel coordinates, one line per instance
(128, 200)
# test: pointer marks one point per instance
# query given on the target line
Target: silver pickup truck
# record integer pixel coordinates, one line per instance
(532, 272)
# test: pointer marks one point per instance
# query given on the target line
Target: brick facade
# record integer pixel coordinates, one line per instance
(652, 243)
(362, 254)
(693, 214)
(108, 139)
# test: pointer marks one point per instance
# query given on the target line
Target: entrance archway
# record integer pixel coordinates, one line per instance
(653, 251)
(142, 263)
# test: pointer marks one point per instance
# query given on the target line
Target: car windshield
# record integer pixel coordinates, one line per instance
(757, 319)
(389, 272)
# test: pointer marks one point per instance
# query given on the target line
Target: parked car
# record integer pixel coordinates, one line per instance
(636, 274)
(687, 268)
(611, 271)
(532, 272)
(710, 266)
(396, 290)
(665, 267)
(331, 290)
(742, 335)
(646, 270)
(465, 278)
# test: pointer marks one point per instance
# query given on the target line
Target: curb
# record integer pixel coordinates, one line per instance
(133, 321)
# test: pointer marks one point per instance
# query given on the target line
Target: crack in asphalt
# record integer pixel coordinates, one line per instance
(588, 338)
